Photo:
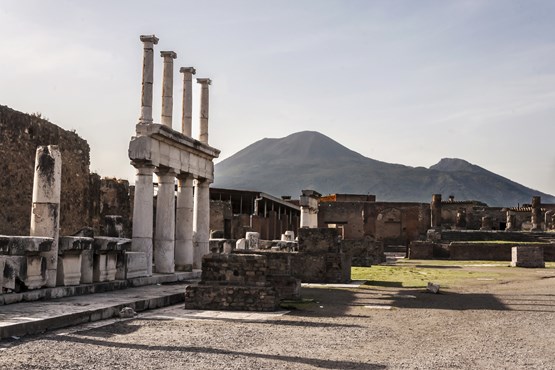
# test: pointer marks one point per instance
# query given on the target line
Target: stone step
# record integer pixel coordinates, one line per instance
(27, 318)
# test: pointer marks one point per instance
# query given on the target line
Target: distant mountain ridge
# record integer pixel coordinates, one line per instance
(311, 160)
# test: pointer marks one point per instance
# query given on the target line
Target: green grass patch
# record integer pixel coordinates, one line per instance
(415, 276)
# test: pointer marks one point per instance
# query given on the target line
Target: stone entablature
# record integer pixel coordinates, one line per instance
(160, 146)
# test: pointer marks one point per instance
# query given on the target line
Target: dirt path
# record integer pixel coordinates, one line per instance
(502, 324)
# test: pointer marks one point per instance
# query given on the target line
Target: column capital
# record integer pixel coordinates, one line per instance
(168, 54)
(190, 70)
(165, 171)
(204, 81)
(149, 38)
(185, 176)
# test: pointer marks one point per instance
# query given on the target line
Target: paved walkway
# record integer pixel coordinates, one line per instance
(36, 317)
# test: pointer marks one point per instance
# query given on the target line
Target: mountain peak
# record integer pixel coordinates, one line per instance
(453, 165)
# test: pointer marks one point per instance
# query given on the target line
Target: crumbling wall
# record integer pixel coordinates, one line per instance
(20, 135)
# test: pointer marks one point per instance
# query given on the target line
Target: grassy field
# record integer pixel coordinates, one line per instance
(417, 273)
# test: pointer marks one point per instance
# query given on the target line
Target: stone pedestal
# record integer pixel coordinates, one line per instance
(143, 213)
(253, 240)
(201, 222)
(164, 252)
(184, 224)
(87, 259)
(309, 203)
(527, 256)
(70, 259)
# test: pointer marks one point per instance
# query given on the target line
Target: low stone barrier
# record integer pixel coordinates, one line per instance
(527, 256)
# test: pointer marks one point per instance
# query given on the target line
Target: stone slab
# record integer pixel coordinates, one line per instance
(36, 317)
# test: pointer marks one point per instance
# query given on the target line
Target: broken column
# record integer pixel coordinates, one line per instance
(187, 107)
(487, 223)
(143, 212)
(549, 220)
(45, 215)
(201, 222)
(167, 88)
(164, 252)
(435, 208)
(148, 77)
(184, 223)
(203, 135)
(309, 203)
(536, 214)
(510, 223)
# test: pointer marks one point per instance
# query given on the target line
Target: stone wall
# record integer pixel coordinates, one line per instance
(20, 135)
(364, 252)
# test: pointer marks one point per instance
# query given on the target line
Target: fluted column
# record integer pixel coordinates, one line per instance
(187, 107)
(184, 223)
(45, 213)
(143, 212)
(201, 222)
(148, 77)
(204, 96)
(167, 88)
(164, 240)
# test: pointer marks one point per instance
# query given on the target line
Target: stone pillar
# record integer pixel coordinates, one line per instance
(435, 208)
(203, 135)
(143, 212)
(309, 203)
(184, 223)
(167, 88)
(148, 76)
(536, 213)
(187, 107)
(164, 247)
(201, 222)
(549, 220)
(45, 213)
(510, 221)
(487, 223)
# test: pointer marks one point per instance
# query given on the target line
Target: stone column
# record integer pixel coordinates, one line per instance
(201, 222)
(536, 213)
(487, 223)
(510, 221)
(167, 88)
(148, 76)
(309, 203)
(187, 107)
(45, 213)
(164, 247)
(203, 135)
(435, 208)
(143, 212)
(184, 223)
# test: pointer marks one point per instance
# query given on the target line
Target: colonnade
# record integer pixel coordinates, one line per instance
(181, 236)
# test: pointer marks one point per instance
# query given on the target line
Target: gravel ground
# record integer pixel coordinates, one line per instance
(484, 326)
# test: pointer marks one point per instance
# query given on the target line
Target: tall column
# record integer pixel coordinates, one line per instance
(435, 208)
(203, 135)
(167, 88)
(143, 212)
(187, 107)
(536, 213)
(148, 77)
(164, 248)
(201, 222)
(184, 223)
(45, 213)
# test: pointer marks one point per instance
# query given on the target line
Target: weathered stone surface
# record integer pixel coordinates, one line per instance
(135, 265)
(321, 240)
(239, 298)
(364, 252)
(21, 245)
(421, 250)
(527, 256)
(252, 240)
(21, 135)
(104, 267)
(69, 269)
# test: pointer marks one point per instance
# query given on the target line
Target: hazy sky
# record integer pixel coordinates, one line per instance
(406, 82)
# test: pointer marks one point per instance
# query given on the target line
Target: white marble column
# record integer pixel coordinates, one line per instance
(187, 107)
(201, 222)
(184, 223)
(45, 213)
(164, 239)
(148, 77)
(143, 213)
(204, 95)
(167, 88)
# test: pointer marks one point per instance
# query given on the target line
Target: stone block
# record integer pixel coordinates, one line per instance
(240, 244)
(69, 269)
(235, 298)
(252, 240)
(135, 265)
(21, 245)
(527, 256)
(319, 240)
(87, 259)
(104, 267)
(24, 272)
(421, 250)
